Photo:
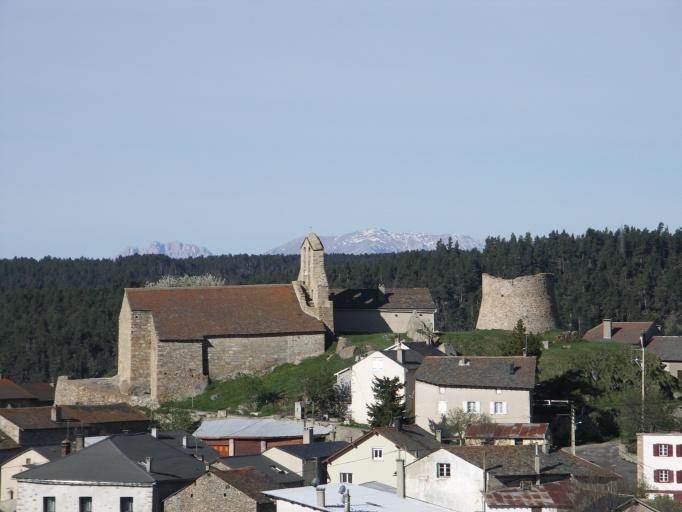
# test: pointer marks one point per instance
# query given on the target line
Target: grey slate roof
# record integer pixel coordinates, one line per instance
(247, 428)
(120, 459)
(313, 450)
(478, 372)
(667, 348)
(415, 354)
(411, 438)
(504, 461)
(195, 447)
(275, 472)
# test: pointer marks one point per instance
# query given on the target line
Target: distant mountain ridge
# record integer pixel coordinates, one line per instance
(378, 241)
(174, 249)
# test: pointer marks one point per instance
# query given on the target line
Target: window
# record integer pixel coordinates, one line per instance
(663, 475)
(377, 364)
(49, 504)
(346, 478)
(662, 450)
(499, 408)
(441, 390)
(11, 494)
(28, 460)
(442, 407)
(442, 470)
(85, 504)
(471, 407)
(377, 454)
(126, 505)
(498, 391)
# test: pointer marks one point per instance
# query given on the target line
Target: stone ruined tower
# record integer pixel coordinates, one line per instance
(529, 298)
(312, 287)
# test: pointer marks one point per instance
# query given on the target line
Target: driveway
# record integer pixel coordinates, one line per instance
(606, 456)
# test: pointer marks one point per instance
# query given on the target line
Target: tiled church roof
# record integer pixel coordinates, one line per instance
(193, 313)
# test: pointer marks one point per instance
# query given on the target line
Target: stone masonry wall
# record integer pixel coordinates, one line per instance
(229, 356)
(529, 298)
(209, 493)
(178, 372)
(104, 497)
(136, 334)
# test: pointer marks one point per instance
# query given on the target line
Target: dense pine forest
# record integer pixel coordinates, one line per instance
(59, 316)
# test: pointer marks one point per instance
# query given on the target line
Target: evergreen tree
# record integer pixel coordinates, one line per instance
(388, 402)
(522, 342)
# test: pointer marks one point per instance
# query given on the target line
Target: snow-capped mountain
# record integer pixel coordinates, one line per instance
(173, 249)
(375, 241)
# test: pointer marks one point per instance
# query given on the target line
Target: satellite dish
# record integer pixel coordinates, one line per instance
(315, 482)
(342, 489)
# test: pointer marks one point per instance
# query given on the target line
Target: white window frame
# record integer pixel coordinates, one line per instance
(346, 478)
(377, 454)
(665, 472)
(442, 407)
(470, 409)
(663, 450)
(443, 470)
(441, 390)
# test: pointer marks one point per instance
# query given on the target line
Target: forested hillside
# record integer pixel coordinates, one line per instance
(59, 316)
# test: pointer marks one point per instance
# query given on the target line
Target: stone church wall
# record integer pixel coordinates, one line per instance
(229, 356)
(178, 371)
(136, 334)
(529, 298)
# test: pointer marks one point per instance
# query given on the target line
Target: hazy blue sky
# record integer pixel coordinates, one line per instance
(236, 125)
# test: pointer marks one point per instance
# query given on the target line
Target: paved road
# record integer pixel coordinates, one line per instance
(606, 455)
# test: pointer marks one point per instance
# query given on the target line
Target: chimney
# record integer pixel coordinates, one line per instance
(56, 413)
(148, 464)
(400, 354)
(400, 478)
(65, 448)
(536, 464)
(382, 288)
(80, 442)
(299, 410)
(319, 497)
(184, 441)
(308, 435)
(439, 435)
(155, 432)
(608, 328)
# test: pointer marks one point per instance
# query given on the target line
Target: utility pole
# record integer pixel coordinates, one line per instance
(641, 342)
(572, 428)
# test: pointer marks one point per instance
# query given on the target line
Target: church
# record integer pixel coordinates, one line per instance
(172, 341)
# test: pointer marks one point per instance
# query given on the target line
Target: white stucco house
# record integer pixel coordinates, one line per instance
(659, 463)
(400, 360)
(372, 457)
(477, 478)
(498, 386)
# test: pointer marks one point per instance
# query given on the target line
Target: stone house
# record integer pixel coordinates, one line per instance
(367, 310)
(236, 490)
(306, 460)
(461, 478)
(372, 457)
(123, 473)
(669, 350)
(509, 434)
(498, 386)
(246, 436)
(40, 426)
(400, 360)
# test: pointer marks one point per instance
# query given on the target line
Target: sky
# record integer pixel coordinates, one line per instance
(241, 125)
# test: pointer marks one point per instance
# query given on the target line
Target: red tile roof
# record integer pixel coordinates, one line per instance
(194, 313)
(507, 431)
(10, 390)
(624, 332)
